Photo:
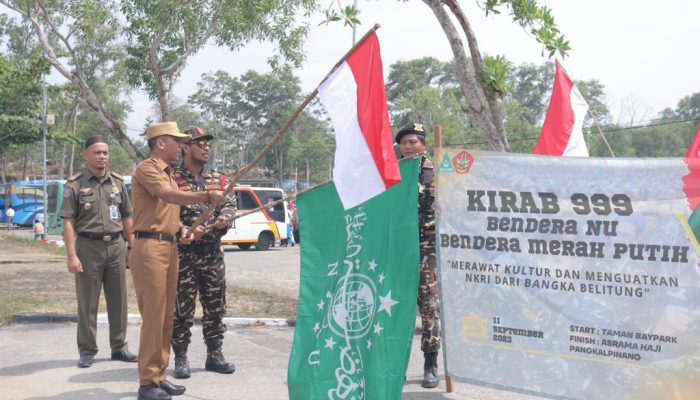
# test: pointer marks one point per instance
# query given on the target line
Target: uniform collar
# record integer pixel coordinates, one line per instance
(206, 173)
(162, 165)
(102, 178)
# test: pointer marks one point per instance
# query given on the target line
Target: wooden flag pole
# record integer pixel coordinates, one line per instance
(280, 133)
(437, 129)
(600, 132)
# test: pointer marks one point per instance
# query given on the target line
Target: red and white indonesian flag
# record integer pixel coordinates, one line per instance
(354, 97)
(562, 133)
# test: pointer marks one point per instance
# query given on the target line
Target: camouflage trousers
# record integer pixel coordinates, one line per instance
(203, 273)
(429, 303)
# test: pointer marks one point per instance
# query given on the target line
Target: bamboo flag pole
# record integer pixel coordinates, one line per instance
(689, 232)
(280, 133)
(600, 132)
(437, 129)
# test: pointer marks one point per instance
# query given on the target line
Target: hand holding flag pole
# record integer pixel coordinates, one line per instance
(280, 133)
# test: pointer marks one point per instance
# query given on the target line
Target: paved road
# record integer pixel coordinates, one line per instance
(275, 270)
(39, 363)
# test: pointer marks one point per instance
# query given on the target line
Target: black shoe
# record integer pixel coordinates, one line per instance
(430, 376)
(217, 363)
(430, 379)
(125, 356)
(153, 392)
(86, 360)
(171, 388)
(182, 366)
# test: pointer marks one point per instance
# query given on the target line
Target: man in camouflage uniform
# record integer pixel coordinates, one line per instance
(411, 141)
(201, 261)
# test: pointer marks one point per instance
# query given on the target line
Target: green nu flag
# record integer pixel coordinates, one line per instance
(357, 297)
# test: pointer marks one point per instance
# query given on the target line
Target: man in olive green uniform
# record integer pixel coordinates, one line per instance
(153, 259)
(97, 216)
(411, 141)
(201, 262)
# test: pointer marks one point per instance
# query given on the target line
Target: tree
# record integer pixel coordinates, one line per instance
(482, 80)
(164, 35)
(250, 109)
(62, 29)
(161, 37)
(689, 107)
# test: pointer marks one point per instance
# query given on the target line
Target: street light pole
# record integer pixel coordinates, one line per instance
(43, 133)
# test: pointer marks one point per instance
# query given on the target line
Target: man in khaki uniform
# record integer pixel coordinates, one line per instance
(154, 258)
(96, 209)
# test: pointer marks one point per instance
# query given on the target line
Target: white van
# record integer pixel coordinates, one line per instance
(261, 228)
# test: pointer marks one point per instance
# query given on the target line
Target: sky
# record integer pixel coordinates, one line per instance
(646, 53)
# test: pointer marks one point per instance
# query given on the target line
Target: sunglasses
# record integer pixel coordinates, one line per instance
(201, 144)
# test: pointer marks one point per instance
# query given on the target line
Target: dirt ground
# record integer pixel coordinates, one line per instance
(34, 278)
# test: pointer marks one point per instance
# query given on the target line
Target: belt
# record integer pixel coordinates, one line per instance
(199, 249)
(154, 235)
(102, 237)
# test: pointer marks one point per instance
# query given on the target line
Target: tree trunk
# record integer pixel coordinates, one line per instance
(25, 163)
(72, 155)
(62, 165)
(485, 109)
(3, 167)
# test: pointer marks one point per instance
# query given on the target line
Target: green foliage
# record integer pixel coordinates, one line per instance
(689, 107)
(183, 27)
(495, 72)
(536, 20)
(594, 93)
(336, 12)
(20, 99)
(245, 112)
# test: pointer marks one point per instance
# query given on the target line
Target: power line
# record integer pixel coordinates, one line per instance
(608, 130)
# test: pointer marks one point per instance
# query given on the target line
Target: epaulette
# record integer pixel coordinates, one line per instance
(116, 175)
(75, 177)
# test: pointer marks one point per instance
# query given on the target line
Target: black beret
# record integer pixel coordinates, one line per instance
(95, 139)
(414, 129)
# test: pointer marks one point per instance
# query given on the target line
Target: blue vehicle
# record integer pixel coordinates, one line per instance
(26, 198)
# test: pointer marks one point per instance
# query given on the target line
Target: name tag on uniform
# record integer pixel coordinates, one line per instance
(113, 212)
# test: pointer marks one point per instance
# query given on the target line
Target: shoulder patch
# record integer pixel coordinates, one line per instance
(75, 177)
(428, 164)
(116, 175)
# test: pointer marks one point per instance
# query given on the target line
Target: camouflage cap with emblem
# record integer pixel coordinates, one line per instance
(197, 133)
(413, 129)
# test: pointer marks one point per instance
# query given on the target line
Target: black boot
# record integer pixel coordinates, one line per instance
(215, 359)
(430, 376)
(182, 366)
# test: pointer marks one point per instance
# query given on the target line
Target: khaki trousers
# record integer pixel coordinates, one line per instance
(154, 267)
(103, 264)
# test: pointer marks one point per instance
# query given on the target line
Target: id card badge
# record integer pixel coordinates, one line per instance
(113, 212)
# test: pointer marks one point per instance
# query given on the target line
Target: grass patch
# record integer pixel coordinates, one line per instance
(245, 302)
(34, 244)
(34, 278)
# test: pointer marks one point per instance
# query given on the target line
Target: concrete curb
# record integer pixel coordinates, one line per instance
(135, 319)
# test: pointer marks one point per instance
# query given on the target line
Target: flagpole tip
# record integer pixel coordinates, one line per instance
(377, 26)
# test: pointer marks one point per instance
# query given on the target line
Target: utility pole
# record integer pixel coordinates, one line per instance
(43, 134)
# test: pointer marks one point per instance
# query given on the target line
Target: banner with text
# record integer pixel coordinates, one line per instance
(571, 277)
